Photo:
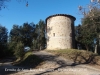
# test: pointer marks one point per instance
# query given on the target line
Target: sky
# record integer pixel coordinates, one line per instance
(18, 13)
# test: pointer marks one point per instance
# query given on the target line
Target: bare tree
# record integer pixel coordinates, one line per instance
(3, 5)
(92, 12)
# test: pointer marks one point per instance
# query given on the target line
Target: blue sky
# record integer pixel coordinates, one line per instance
(17, 12)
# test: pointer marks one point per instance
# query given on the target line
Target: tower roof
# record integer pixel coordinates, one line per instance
(60, 15)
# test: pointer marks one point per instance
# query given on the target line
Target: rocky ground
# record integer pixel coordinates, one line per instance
(53, 65)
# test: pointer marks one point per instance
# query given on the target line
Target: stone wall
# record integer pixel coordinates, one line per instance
(60, 33)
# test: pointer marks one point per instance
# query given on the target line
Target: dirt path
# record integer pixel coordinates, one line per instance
(54, 65)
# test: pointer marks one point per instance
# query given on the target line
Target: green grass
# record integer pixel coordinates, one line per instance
(29, 60)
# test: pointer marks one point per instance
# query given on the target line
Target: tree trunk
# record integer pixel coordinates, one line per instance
(87, 47)
(40, 47)
(95, 51)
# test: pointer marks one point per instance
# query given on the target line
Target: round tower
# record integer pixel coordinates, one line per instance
(60, 31)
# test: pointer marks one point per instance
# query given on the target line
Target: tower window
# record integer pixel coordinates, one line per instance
(54, 34)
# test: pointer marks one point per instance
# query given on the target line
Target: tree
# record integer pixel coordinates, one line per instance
(90, 28)
(78, 37)
(11, 48)
(40, 30)
(85, 37)
(2, 3)
(19, 52)
(15, 34)
(24, 33)
(3, 40)
(27, 32)
(21, 36)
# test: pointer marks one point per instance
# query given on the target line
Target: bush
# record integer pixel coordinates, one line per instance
(11, 48)
(29, 60)
(2, 51)
(19, 50)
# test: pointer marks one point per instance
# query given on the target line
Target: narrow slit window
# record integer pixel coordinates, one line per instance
(54, 34)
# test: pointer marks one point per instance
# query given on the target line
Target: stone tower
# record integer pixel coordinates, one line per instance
(60, 31)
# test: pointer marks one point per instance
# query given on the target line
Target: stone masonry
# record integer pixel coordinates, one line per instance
(60, 31)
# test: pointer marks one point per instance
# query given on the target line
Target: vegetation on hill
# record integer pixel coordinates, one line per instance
(29, 60)
(78, 56)
(88, 32)
(27, 35)
(87, 35)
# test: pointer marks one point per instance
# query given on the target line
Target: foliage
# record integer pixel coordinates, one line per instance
(85, 36)
(27, 32)
(41, 39)
(19, 50)
(15, 34)
(90, 29)
(3, 5)
(11, 48)
(24, 33)
(29, 60)
(3, 40)
(3, 35)
(20, 36)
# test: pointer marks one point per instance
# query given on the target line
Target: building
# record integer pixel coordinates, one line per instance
(60, 31)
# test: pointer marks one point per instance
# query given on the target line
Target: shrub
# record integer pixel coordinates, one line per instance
(19, 50)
